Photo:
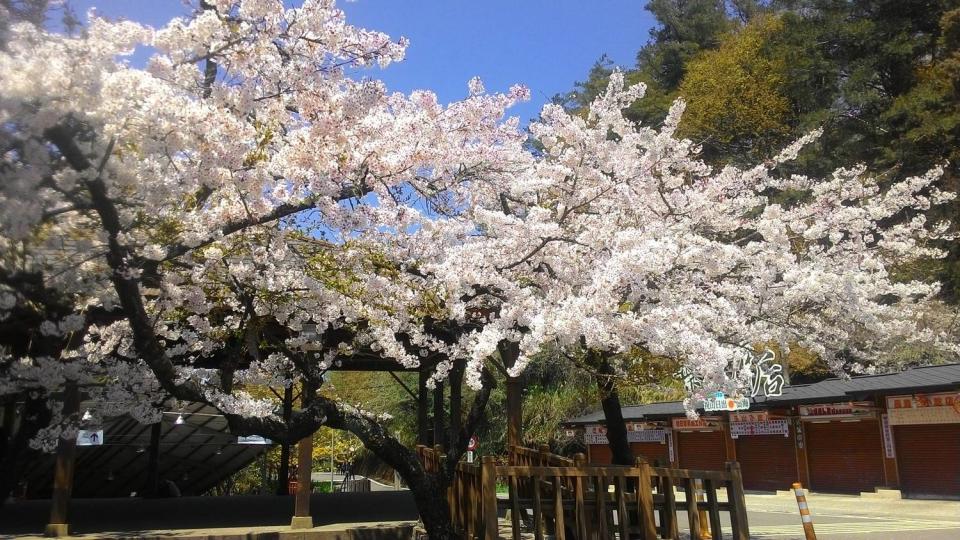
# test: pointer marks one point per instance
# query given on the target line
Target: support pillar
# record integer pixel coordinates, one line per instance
(301, 514)
(64, 467)
(152, 487)
(283, 469)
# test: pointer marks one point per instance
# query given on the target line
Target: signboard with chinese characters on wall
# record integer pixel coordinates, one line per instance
(641, 432)
(595, 434)
(860, 409)
(753, 416)
(647, 435)
(941, 408)
(764, 427)
(702, 423)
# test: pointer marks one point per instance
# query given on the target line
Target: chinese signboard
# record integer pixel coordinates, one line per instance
(837, 410)
(598, 435)
(765, 427)
(720, 402)
(754, 416)
(252, 439)
(595, 435)
(700, 423)
(943, 408)
(647, 435)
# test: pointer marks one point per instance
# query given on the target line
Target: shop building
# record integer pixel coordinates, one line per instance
(896, 431)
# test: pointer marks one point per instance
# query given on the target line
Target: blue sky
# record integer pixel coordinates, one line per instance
(544, 44)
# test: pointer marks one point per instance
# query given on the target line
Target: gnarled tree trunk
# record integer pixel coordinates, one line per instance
(612, 410)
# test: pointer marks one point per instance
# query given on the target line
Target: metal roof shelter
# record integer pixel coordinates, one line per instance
(916, 380)
(195, 454)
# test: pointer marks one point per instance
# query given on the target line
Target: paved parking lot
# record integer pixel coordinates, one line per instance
(838, 517)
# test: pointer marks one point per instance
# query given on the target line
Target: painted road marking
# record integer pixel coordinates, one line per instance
(862, 527)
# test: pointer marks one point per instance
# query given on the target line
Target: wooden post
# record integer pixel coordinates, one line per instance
(514, 412)
(301, 514)
(283, 470)
(645, 502)
(800, 445)
(738, 504)
(693, 514)
(64, 466)
(488, 496)
(704, 522)
(422, 409)
(580, 511)
(152, 487)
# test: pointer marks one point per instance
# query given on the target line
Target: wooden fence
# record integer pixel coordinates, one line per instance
(550, 495)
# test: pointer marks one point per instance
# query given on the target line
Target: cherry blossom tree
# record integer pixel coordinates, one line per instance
(249, 209)
(618, 237)
(244, 210)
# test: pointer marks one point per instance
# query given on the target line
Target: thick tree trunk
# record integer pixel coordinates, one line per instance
(430, 494)
(456, 405)
(612, 411)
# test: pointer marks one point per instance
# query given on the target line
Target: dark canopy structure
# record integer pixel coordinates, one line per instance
(193, 449)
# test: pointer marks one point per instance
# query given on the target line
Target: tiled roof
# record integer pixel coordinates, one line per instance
(920, 379)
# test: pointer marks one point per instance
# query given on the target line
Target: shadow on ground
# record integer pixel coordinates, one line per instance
(133, 514)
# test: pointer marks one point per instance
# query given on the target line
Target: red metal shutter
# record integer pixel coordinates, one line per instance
(928, 458)
(600, 454)
(701, 450)
(768, 462)
(844, 457)
(656, 454)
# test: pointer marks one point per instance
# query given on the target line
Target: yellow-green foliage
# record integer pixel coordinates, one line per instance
(735, 94)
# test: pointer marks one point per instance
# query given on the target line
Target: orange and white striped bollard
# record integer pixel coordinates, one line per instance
(805, 516)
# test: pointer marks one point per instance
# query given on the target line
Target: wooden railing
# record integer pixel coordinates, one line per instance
(572, 500)
(523, 456)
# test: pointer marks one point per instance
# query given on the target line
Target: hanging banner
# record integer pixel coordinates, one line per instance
(888, 447)
(941, 408)
(765, 427)
(838, 410)
(89, 437)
